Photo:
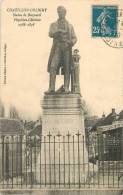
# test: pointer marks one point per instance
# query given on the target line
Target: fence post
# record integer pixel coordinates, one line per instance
(78, 135)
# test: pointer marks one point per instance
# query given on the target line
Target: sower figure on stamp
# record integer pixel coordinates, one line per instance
(64, 39)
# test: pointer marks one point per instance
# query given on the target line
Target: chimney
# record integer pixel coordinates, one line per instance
(114, 115)
(103, 115)
(113, 111)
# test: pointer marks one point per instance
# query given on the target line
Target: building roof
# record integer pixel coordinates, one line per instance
(120, 115)
(10, 126)
(108, 120)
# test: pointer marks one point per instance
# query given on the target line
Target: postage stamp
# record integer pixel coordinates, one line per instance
(104, 21)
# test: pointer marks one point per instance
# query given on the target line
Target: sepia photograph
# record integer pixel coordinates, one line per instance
(61, 97)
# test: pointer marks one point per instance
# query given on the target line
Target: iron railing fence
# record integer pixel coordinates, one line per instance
(60, 161)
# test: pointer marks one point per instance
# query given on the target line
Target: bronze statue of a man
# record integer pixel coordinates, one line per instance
(61, 52)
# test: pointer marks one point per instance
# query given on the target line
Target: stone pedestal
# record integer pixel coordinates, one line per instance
(63, 159)
(62, 113)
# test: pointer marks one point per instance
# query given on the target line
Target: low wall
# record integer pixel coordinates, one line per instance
(62, 192)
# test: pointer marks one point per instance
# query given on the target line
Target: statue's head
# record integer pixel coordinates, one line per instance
(61, 12)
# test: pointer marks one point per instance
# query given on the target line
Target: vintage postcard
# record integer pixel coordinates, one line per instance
(61, 97)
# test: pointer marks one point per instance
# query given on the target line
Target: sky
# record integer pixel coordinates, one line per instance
(28, 49)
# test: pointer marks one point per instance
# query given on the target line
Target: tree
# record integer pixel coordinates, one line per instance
(2, 109)
(86, 109)
(13, 113)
